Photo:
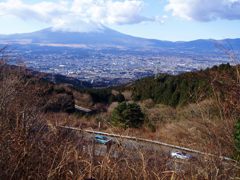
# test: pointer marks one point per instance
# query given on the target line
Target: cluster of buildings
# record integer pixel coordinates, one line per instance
(107, 69)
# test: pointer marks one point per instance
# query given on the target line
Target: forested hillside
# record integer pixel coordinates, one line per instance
(186, 88)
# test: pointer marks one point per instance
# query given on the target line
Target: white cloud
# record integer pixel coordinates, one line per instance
(205, 10)
(78, 15)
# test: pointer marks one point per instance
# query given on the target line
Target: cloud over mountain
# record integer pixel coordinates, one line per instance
(78, 15)
(205, 10)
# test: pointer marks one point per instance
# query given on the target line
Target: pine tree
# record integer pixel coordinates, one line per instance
(128, 115)
(237, 138)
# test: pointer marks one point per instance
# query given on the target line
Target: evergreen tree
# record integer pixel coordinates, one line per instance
(128, 115)
(237, 137)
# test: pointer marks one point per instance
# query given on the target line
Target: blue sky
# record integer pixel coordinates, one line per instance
(158, 19)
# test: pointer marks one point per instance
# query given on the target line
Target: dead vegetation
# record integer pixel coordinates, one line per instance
(31, 147)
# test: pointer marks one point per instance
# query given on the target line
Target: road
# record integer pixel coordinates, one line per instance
(134, 144)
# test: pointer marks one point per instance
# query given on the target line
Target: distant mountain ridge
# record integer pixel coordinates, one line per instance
(99, 38)
(113, 39)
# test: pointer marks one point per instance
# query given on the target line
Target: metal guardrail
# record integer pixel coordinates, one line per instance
(150, 141)
(83, 109)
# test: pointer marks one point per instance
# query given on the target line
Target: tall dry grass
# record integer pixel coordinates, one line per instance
(31, 149)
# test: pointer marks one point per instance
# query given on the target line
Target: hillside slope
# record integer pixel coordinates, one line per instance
(31, 87)
(190, 87)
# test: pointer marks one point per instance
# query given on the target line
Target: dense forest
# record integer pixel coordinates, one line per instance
(179, 90)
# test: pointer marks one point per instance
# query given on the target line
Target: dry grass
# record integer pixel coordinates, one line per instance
(83, 99)
(127, 94)
(198, 126)
(56, 154)
(31, 147)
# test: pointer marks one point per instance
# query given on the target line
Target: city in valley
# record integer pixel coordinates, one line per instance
(110, 67)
